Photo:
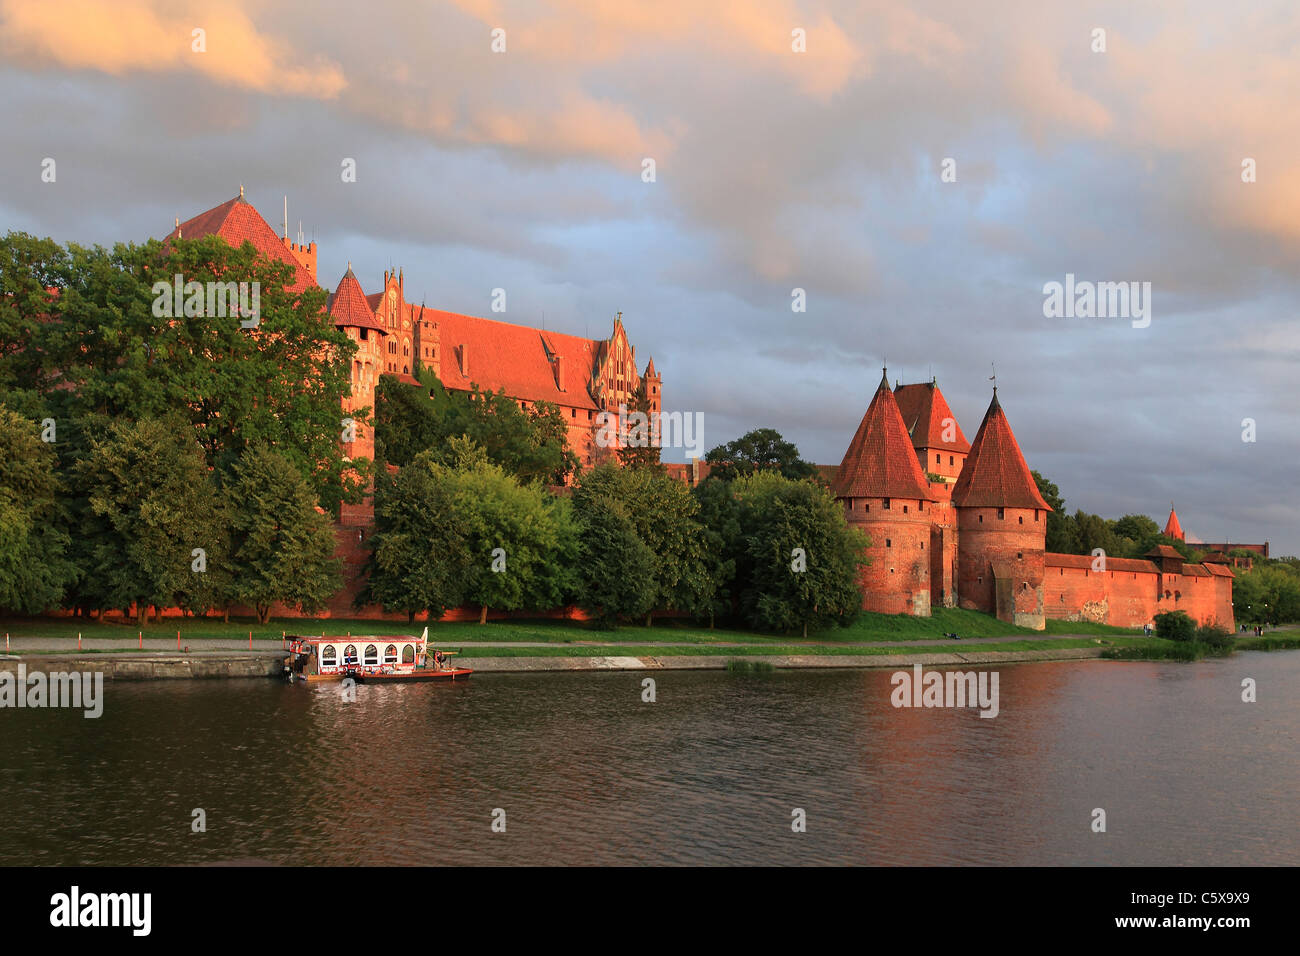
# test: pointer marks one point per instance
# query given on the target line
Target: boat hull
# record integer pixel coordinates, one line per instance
(415, 677)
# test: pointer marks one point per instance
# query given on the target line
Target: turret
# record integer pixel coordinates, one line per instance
(884, 492)
(1002, 527)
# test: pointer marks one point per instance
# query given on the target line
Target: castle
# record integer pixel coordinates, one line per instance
(951, 523)
(395, 337)
(962, 524)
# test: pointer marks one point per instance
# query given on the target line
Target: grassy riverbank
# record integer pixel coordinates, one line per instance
(868, 628)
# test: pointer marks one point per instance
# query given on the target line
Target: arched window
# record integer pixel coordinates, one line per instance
(372, 654)
(408, 654)
(390, 654)
(329, 655)
(350, 654)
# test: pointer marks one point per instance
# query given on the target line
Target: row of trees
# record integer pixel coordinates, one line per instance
(629, 541)
(1131, 536)
(166, 457)
(141, 521)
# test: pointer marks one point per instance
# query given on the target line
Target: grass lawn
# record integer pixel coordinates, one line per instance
(867, 628)
(773, 649)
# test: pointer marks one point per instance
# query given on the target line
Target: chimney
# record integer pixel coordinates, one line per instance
(559, 372)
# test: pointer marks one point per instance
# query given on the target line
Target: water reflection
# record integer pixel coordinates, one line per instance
(588, 773)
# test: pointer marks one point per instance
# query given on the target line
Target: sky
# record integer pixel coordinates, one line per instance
(921, 170)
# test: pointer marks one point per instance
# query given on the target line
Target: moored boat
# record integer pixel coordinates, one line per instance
(370, 660)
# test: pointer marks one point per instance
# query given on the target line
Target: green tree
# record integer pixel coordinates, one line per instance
(802, 557)
(762, 449)
(719, 516)
(283, 542)
(150, 501)
(665, 516)
(35, 568)
(1135, 527)
(418, 551)
(117, 348)
(1060, 535)
(520, 541)
(531, 445)
(617, 567)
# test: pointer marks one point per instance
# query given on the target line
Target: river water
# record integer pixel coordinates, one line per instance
(710, 772)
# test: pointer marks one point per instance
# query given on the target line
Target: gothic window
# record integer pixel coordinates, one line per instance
(1021, 519)
(904, 509)
(1002, 513)
(888, 543)
(886, 504)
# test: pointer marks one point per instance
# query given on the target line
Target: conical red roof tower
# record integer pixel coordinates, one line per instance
(880, 461)
(1172, 528)
(995, 474)
(348, 306)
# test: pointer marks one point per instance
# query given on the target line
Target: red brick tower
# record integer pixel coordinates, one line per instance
(352, 313)
(1173, 529)
(941, 448)
(1002, 524)
(885, 493)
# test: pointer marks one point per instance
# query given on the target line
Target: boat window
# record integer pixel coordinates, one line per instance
(328, 655)
(350, 654)
(390, 654)
(372, 654)
(408, 654)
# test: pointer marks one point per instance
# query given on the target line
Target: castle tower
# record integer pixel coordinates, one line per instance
(884, 492)
(653, 386)
(940, 445)
(941, 449)
(351, 312)
(1002, 527)
(1173, 529)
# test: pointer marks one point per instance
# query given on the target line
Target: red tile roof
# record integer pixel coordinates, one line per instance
(1164, 551)
(924, 411)
(828, 473)
(1220, 571)
(1052, 560)
(995, 474)
(236, 221)
(880, 461)
(1172, 528)
(349, 307)
(516, 358)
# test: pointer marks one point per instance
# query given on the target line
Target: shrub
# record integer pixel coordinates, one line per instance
(1175, 626)
(1216, 636)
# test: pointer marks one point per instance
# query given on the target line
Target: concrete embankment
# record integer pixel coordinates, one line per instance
(493, 665)
(155, 667)
(270, 663)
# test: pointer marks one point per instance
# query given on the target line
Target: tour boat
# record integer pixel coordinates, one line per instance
(370, 660)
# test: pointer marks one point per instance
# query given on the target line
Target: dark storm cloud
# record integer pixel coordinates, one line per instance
(775, 171)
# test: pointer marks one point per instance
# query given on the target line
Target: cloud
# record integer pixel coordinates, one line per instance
(138, 35)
